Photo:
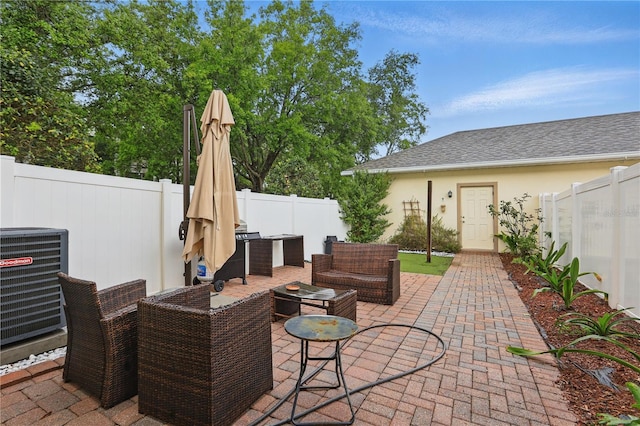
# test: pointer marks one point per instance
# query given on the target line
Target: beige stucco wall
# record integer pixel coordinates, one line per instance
(510, 182)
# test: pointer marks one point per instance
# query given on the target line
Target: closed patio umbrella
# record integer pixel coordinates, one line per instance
(213, 211)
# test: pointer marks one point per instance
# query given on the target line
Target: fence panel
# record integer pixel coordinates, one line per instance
(600, 220)
(595, 239)
(628, 214)
(121, 229)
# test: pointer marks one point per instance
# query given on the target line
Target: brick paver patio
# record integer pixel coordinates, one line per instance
(474, 308)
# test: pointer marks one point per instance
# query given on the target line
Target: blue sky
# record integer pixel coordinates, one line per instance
(487, 63)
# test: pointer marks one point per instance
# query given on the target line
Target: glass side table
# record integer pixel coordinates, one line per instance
(320, 328)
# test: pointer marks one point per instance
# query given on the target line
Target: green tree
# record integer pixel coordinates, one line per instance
(44, 45)
(285, 73)
(137, 89)
(361, 207)
(116, 75)
(399, 113)
(294, 176)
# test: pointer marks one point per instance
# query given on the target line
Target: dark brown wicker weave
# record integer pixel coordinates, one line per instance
(261, 253)
(371, 269)
(343, 305)
(202, 366)
(102, 338)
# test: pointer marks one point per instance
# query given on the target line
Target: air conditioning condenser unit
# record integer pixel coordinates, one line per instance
(31, 301)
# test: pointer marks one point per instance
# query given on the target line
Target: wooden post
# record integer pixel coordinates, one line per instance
(428, 221)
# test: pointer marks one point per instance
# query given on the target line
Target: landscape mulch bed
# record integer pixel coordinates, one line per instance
(581, 376)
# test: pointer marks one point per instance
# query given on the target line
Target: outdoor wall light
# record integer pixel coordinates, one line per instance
(450, 194)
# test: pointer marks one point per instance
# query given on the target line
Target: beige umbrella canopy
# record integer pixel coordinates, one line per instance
(213, 211)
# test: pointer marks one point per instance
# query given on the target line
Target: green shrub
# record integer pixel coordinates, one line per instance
(521, 228)
(605, 325)
(361, 206)
(444, 239)
(412, 235)
(563, 282)
(540, 265)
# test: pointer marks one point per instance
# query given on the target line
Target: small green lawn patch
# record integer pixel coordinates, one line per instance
(417, 263)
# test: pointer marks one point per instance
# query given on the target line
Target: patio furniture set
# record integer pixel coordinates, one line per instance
(193, 364)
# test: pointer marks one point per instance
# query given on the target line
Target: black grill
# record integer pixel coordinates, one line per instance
(235, 266)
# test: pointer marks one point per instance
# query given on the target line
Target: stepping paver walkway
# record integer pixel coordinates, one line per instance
(474, 308)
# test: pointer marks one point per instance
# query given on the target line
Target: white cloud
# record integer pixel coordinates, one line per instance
(446, 24)
(555, 86)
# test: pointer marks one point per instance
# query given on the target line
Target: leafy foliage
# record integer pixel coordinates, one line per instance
(399, 114)
(603, 328)
(39, 121)
(541, 265)
(360, 206)
(520, 227)
(137, 88)
(442, 238)
(413, 234)
(605, 325)
(558, 352)
(102, 85)
(608, 419)
(563, 281)
(294, 176)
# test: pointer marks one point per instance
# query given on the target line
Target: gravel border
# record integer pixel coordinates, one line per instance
(32, 360)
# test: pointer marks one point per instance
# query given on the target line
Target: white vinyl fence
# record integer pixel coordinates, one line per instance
(600, 221)
(122, 229)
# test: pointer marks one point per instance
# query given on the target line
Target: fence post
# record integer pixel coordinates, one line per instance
(168, 232)
(618, 238)
(293, 198)
(546, 227)
(247, 207)
(555, 224)
(7, 186)
(576, 222)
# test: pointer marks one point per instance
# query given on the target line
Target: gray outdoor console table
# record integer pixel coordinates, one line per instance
(261, 253)
(320, 328)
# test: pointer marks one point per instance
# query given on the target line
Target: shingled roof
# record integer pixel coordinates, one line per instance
(599, 138)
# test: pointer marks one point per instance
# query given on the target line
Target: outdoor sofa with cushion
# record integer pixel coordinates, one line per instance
(200, 365)
(373, 270)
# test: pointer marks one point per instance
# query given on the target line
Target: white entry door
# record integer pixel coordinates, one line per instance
(476, 222)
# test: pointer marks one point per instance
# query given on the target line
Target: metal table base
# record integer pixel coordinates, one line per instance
(320, 328)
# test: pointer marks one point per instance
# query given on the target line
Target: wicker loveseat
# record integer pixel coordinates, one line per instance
(198, 365)
(371, 269)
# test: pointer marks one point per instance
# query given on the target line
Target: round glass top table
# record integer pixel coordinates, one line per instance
(320, 328)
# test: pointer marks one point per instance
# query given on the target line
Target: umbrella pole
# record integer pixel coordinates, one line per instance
(188, 119)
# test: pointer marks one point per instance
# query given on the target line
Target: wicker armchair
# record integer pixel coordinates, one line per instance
(102, 338)
(198, 365)
(371, 269)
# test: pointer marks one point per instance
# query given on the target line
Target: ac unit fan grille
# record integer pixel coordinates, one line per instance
(31, 300)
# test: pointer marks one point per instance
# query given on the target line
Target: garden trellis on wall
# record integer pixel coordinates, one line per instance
(411, 208)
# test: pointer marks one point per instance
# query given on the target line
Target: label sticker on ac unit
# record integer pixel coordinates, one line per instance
(20, 261)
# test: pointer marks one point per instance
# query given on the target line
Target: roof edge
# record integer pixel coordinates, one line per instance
(630, 155)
